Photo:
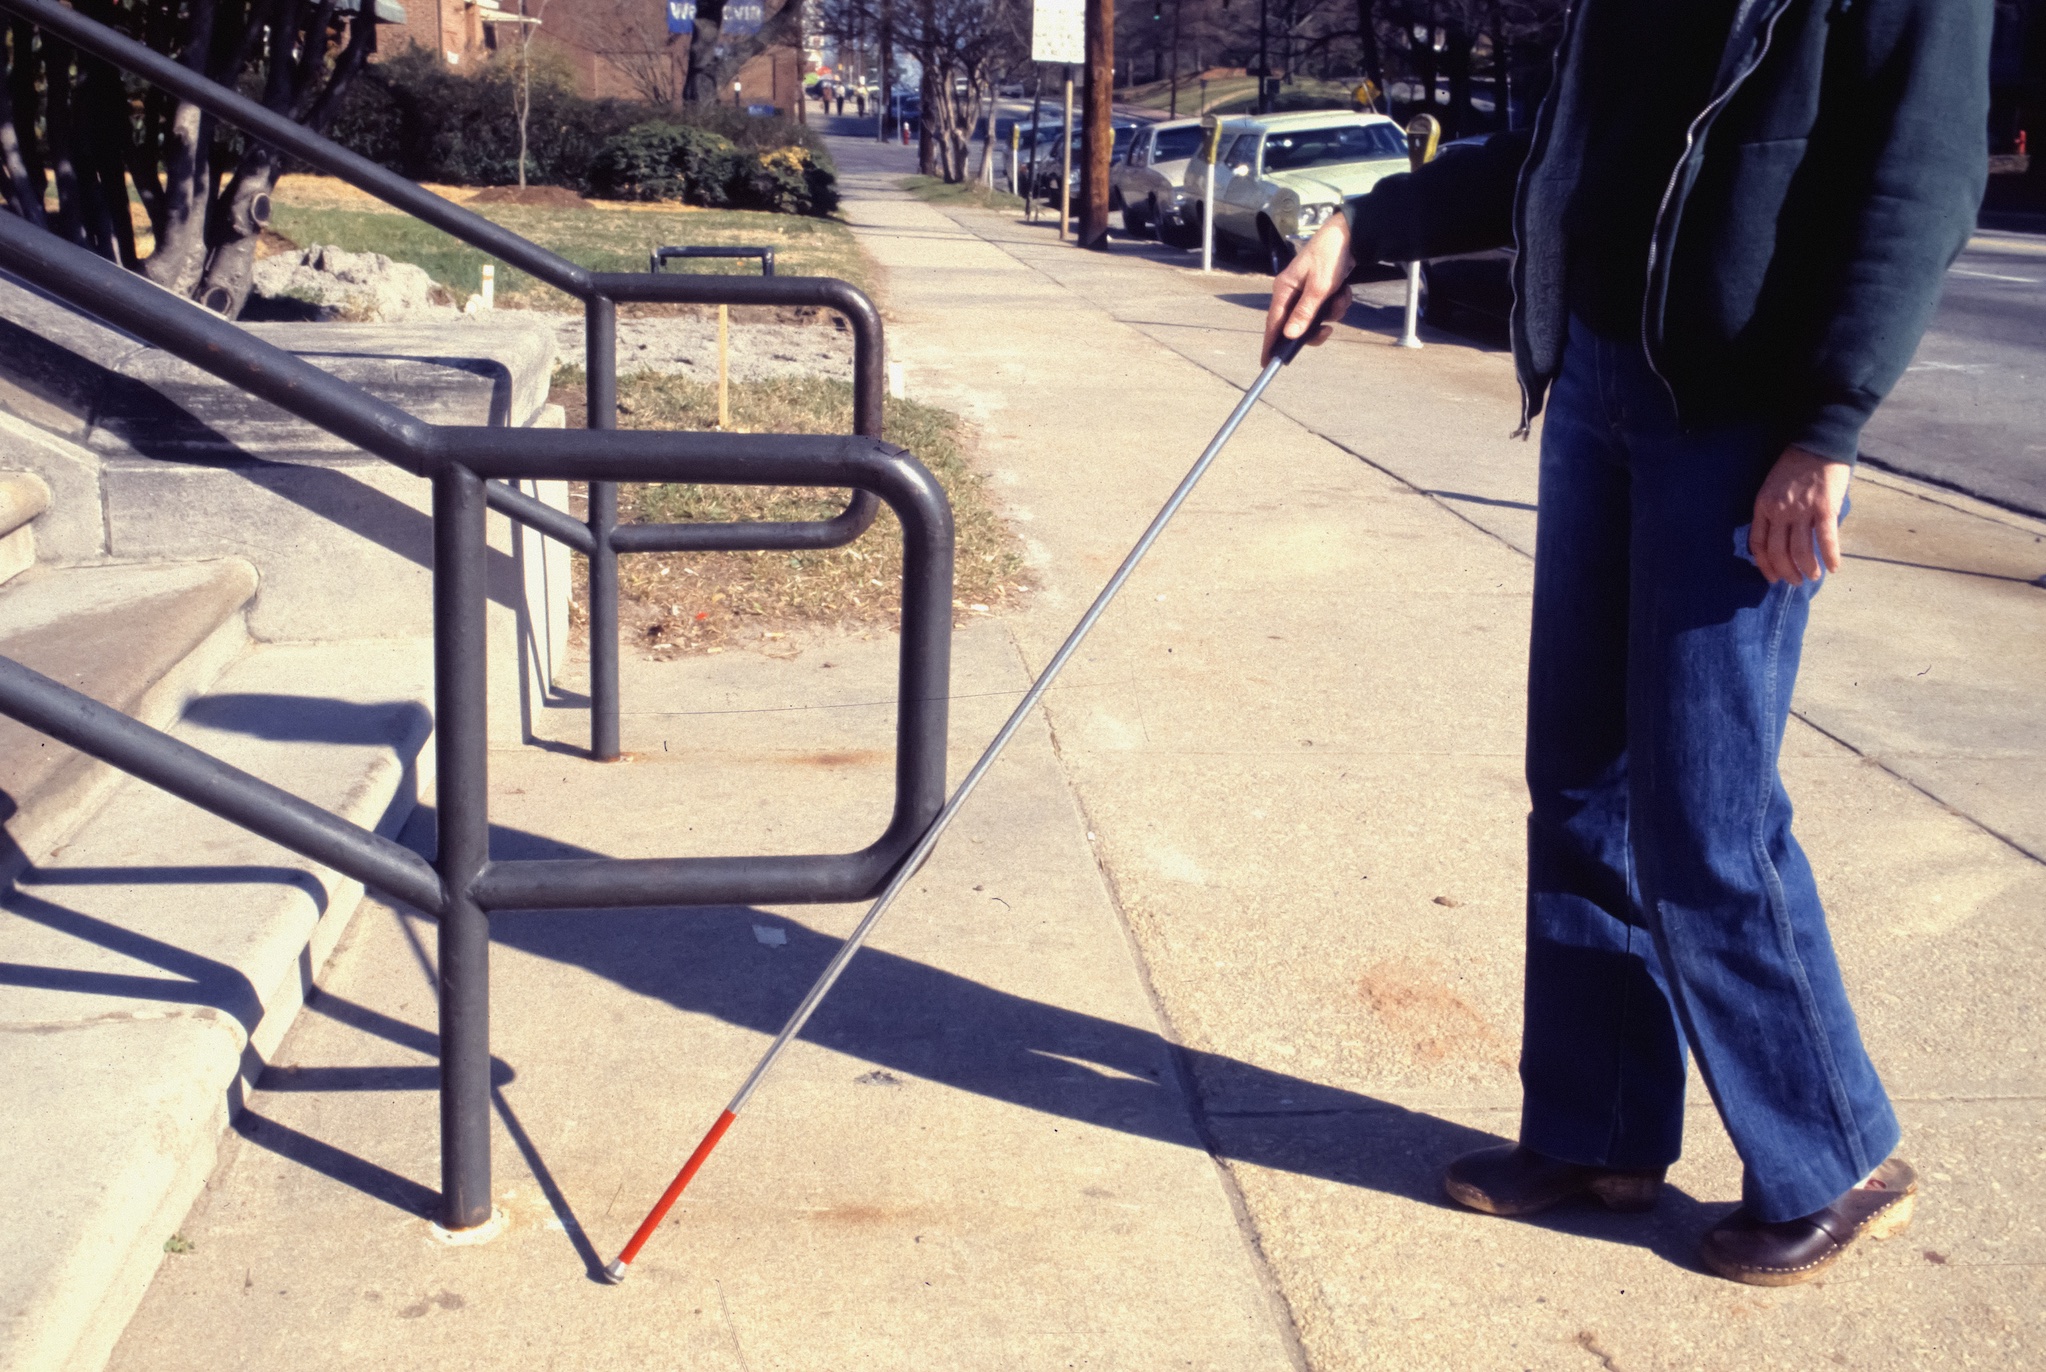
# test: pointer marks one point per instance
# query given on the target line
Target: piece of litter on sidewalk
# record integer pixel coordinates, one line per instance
(895, 381)
(770, 935)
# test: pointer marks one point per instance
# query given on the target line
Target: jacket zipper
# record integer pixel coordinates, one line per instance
(1705, 117)
(1534, 150)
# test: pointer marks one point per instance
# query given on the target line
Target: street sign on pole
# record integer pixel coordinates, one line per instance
(1058, 32)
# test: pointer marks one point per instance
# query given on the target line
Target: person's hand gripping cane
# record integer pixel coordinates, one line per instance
(1319, 272)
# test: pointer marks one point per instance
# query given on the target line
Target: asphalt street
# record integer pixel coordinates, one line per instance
(1971, 411)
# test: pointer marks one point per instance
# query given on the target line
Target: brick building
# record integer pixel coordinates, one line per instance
(616, 48)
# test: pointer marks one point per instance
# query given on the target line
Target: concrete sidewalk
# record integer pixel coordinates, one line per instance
(1308, 796)
(1160, 1063)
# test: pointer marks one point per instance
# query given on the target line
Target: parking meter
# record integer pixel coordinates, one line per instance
(1211, 155)
(1424, 133)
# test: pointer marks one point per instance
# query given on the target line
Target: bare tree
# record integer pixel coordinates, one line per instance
(964, 47)
(633, 37)
(523, 98)
(715, 58)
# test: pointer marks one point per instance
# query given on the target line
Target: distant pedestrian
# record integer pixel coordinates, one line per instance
(841, 102)
(860, 101)
(1732, 220)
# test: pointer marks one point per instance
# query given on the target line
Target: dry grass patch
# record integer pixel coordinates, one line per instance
(703, 602)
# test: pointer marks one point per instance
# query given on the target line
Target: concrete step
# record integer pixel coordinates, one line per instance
(23, 496)
(74, 376)
(153, 965)
(143, 638)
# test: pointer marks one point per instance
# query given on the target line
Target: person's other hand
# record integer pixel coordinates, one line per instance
(1797, 517)
(1318, 272)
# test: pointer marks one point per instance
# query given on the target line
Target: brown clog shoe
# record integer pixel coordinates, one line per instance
(1785, 1253)
(1513, 1180)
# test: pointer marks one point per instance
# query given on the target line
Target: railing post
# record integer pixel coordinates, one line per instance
(462, 743)
(601, 368)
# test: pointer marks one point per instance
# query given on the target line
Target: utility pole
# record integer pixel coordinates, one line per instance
(881, 99)
(1264, 56)
(1099, 130)
(1178, 9)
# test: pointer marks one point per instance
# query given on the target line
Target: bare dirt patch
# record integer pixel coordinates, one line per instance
(542, 197)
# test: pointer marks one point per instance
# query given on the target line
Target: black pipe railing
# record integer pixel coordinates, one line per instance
(660, 257)
(600, 293)
(467, 466)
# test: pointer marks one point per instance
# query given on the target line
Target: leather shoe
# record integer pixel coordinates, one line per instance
(1786, 1252)
(1510, 1179)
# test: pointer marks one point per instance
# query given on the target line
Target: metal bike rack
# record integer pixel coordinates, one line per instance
(660, 257)
(468, 466)
(600, 292)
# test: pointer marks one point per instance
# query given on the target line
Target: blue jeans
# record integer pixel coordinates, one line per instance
(1668, 904)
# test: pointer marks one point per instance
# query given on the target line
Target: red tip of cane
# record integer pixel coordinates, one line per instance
(616, 1271)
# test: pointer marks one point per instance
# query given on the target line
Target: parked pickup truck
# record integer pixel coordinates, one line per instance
(1280, 176)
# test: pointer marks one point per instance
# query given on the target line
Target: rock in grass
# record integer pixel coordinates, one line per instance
(323, 283)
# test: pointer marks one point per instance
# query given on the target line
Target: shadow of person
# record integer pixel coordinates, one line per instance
(909, 1018)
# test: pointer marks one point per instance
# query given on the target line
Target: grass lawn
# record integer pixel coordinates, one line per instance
(602, 235)
(941, 192)
(702, 602)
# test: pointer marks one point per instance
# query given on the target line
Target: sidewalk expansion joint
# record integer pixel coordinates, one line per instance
(1276, 1299)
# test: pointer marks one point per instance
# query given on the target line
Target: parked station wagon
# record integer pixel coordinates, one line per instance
(1280, 176)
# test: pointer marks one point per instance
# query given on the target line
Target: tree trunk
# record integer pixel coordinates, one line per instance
(701, 86)
(239, 218)
(1456, 56)
(886, 86)
(60, 133)
(926, 149)
(1368, 53)
(21, 87)
(180, 253)
(24, 191)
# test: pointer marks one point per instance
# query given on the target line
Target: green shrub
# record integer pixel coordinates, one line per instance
(666, 160)
(418, 117)
(661, 160)
(789, 181)
(413, 114)
(751, 132)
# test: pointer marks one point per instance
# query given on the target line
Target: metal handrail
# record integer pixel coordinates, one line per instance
(600, 293)
(466, 466)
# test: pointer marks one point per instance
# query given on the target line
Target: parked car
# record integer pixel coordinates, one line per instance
(904, 107)
(1281, 176)
(1051, 166)
(1148, 185)
(1470, 294)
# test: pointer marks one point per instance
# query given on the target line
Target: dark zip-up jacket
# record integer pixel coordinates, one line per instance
(1798, 253)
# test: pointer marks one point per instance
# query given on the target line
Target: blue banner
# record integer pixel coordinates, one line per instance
(681, 16)
(743, 18)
